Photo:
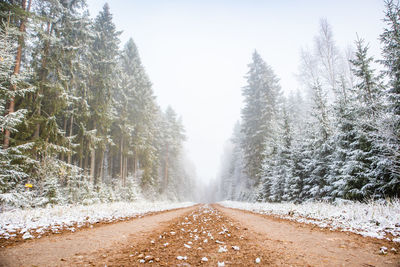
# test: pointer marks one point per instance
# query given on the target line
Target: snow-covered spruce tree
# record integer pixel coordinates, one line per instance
(283, 173)
(124, 98)
(103, 62)
(17, 16)
(343, 138)
(136, 127)
(388, 165)
(77, 38)
(360, 128)
(296, 133)
(143, 115)
(13, 160)
(59, 33)
(319, 126)
(323, 74)
(170, 153)
(76, 118)
(261, 95)
(47, 57)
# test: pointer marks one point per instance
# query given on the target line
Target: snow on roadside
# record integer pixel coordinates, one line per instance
(34, 222)
(373, 219)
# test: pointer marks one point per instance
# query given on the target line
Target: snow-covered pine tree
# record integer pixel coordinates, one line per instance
(13, 160)
(283, 173)
(296, 132)
(261, 96)
(103, 63)
(124, 98)
(319, 126)
(18, 13)
(362, 113)
(343, 138)
(77, 38)
(143, 113)
(389, 162)
(170, 152)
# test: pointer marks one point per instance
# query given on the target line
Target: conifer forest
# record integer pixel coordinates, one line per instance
(79, 119)
(337, 139)
(80, 122)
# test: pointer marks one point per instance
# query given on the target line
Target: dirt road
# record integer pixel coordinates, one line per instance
(202, 236)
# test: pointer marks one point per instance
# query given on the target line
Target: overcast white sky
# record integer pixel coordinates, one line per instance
(196, 53)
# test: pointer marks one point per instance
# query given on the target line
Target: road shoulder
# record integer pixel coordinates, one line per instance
(297, 242)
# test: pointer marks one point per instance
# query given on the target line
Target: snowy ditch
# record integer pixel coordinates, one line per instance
(33, 223)
(373, 219)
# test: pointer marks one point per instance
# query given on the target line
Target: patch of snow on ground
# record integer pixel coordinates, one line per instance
(64, 217)
(373, 219)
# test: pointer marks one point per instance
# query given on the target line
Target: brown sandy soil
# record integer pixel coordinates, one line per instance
(204, 232)
(17, 240)
(306, 245)
(61, 249)
(226, 236)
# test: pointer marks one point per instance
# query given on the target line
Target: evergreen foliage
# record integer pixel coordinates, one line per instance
(340, 142)
(84, 126)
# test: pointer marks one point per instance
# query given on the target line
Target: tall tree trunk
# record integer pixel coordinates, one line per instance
(134, 164)
(65, 131)
(125, 170)
(42, 79)
(110, 173)
(17, 67)
(71, 127)
(101, 172)
(92, 164)
(166, 169)
(80, 161)
(86, 162)
(121, 163)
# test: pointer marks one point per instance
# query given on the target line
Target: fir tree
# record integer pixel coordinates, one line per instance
(261, 97)
(13, 161)
(103, 61)
(365, 108)
(389, 162)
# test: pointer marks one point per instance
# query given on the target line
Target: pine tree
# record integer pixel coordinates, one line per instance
(12, 159)
(144, 119)
(124, 99)
(360, 133)
(283, 172)
(22, 9)
(343, 139)
(103, 63)
(322, 87)
(295, 133)
(389, 162)
(261, 96)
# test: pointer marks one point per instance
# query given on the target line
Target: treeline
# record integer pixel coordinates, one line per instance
(78, 116)
(337, 138)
